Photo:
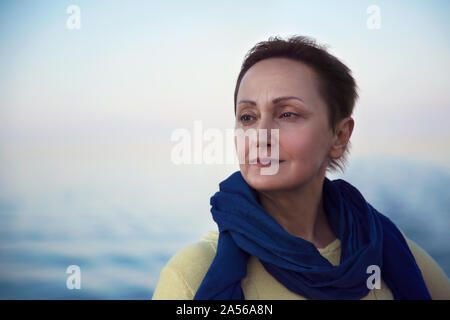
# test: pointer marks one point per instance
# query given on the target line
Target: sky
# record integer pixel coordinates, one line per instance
(87, 115)
(138, 70)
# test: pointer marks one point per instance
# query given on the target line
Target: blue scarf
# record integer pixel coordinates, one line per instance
(367, 238)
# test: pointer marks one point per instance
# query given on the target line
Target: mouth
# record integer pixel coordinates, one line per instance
(265, 162)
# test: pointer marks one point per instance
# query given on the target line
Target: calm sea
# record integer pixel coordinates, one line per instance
(121, 213)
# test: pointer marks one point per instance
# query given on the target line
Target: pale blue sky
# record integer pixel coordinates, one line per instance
(141, 69)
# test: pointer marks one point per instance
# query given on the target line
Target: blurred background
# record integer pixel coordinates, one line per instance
(87, 110)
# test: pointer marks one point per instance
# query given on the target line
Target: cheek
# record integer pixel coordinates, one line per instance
(302, 145)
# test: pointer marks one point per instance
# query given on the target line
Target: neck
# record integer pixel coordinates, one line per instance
(300, 211)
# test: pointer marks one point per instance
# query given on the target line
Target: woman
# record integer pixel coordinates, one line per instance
(295, 234)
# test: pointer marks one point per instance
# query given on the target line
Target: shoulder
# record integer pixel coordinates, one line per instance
(196, 256)
(436, 280)
(183, 274)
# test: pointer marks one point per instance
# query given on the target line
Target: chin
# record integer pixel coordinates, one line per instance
(283, 179)
(253, 176)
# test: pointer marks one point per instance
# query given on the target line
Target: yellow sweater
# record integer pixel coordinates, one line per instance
(183, 274)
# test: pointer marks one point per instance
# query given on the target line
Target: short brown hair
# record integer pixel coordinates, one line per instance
(336, 84)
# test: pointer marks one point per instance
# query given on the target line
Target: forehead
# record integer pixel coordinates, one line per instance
(283, 75)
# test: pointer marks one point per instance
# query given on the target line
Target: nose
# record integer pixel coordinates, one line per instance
(264, 136)
(264, 129)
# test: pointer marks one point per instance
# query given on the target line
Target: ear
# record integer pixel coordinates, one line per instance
(342, 135)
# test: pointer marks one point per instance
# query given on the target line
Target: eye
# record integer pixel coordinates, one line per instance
(289, 113)
(245, 115)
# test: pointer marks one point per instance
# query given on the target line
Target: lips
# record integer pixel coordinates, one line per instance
(264, 162)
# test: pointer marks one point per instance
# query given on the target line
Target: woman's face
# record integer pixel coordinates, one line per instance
(305, 137)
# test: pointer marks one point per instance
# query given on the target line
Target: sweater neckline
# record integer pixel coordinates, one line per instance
(333, 246)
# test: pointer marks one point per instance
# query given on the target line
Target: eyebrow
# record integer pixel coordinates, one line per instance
(274, 101)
